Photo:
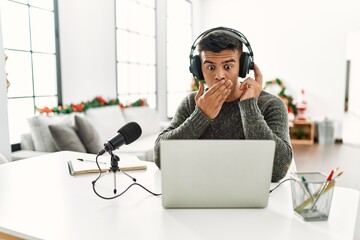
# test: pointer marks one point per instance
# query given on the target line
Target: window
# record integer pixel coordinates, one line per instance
(29, 43)
(136, 55)
(179, 40)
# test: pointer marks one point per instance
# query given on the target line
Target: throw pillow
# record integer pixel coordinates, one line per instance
(66, 138)
(40, 133)
(88, 135)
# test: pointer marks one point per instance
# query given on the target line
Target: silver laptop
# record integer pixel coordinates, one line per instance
(216, 173)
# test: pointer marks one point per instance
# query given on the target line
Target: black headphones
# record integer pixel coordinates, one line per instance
(246, 58)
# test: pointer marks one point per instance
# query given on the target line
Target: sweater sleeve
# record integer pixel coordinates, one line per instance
(189, 122)
(269, 123)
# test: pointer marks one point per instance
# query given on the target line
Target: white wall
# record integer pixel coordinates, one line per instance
(87, 49)
(353, 54)
(4, 124)
(303, 43)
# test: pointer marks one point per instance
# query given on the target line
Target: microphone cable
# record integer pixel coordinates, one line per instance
(118, 195)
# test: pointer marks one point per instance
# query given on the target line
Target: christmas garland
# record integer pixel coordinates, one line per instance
(286, 98)
(83, 106)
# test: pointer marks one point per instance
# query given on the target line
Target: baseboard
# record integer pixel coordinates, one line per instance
(338, 141)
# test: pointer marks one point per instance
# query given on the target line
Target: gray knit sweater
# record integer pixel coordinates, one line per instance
(262, 118)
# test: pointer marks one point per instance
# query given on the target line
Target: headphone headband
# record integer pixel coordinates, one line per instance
(236, 34)
(246, 59)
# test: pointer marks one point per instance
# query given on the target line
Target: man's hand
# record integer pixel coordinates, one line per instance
(252, 88)
(211, 101)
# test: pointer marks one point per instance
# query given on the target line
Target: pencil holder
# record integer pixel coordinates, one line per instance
(311, 195)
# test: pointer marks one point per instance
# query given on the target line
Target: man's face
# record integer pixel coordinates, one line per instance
(219, 66)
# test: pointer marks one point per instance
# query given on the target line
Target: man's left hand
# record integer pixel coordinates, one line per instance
(252, 87)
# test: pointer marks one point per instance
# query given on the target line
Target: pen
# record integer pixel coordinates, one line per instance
(338, 175)
(328, 180)
(86, 160)
(306, 184)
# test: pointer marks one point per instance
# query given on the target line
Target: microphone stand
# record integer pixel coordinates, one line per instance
(115, 168)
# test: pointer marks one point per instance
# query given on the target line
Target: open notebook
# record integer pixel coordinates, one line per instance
(216, 173)
(79, 166)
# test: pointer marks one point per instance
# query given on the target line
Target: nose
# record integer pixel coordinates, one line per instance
(220, 74)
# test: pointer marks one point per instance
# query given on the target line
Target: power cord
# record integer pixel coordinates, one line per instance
(280, 184)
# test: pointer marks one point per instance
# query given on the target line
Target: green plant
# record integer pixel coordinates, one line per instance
(288, 99)
(299, 133)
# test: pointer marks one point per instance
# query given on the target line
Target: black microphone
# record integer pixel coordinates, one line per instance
(127, 134)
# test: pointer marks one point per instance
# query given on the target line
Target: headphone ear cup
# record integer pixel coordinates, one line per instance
(195, 67)
(244, 64)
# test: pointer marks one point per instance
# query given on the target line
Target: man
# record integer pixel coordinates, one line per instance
(230, 109)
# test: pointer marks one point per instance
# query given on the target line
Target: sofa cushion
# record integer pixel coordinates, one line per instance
(3, 159)
(106, 120)
(26, 142)
(66, 138)
(40, 133)
(146, 117)
(22, 154)
(88, 135)
(143, 148)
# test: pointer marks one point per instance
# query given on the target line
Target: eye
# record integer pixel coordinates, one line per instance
(211, 67)
(228, 67)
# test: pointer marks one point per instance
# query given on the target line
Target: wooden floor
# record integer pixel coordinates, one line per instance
(323, 158)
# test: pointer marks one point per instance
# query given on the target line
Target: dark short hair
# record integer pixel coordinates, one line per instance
(218, 41)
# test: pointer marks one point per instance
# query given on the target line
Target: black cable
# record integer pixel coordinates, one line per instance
(133, 184)
(280, 184)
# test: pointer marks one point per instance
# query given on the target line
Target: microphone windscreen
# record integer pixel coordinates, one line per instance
(130, 132)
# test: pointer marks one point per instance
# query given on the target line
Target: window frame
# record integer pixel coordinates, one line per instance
(33, 95)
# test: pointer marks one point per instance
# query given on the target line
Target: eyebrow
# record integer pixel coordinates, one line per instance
(227, 61)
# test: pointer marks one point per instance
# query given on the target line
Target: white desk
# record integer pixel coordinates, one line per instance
(40, 200)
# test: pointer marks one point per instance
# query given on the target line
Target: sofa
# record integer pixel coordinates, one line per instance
(88, 131)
